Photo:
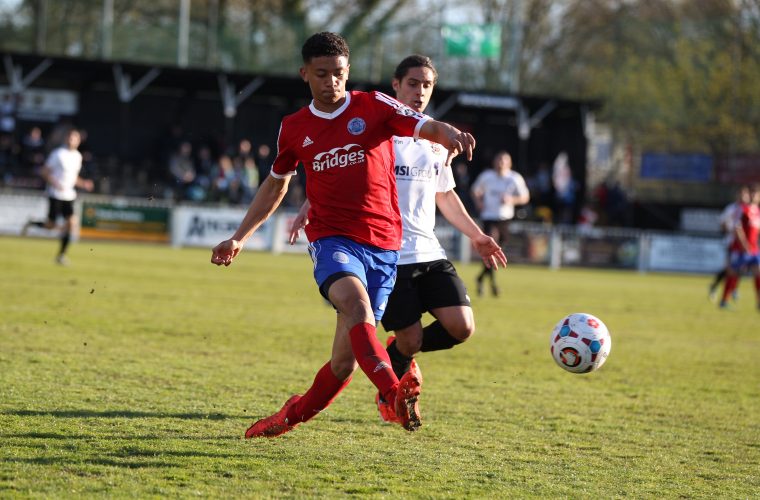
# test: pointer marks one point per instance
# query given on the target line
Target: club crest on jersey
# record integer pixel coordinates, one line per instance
(356, 126)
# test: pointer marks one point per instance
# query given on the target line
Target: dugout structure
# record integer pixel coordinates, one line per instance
(130, 109)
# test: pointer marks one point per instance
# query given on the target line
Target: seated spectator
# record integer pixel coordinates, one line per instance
(226, 183)
(32, 150)
(182, 170)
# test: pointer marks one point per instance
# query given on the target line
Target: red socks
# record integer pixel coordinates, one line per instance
(374, 360)
(322, 392)
(730, 285)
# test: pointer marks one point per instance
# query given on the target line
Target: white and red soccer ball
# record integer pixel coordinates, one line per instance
(580, 343)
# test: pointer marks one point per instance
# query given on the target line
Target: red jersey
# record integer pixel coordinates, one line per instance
(348, 159)
(750, 223)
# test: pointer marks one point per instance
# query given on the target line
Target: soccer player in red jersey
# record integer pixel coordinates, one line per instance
(745, 251)
(343, 140)
(426, 281)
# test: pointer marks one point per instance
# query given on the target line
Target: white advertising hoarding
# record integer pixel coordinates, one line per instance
(206, 227)
(16, 210)
(686, 254)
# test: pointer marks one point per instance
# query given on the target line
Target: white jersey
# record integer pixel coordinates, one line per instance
(494, 187)
(64, 164)
(421, 172)
(729, 218)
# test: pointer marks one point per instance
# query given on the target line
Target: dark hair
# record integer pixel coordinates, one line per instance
(324, 44)
(414, 61)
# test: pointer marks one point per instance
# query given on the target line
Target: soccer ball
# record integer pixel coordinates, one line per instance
(580, 343)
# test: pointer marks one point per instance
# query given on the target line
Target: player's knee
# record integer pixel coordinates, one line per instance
(357, 310)
(462, 328)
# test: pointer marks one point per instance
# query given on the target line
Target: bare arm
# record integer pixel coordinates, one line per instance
(448, 136)
(85, 184)
(516, 200)
(451, 207)
(267, 199)
(46, 174)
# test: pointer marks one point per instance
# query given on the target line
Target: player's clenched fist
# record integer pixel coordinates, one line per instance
(225, 251)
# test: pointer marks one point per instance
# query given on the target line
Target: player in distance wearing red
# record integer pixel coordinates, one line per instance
(343, 140)
(745, 250)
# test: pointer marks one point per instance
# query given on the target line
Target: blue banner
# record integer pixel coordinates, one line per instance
(677, 167)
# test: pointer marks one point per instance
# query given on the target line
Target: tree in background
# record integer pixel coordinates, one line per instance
(673, 75)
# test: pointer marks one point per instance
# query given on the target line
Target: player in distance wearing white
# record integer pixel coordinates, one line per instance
(61, 173)
(427, 281)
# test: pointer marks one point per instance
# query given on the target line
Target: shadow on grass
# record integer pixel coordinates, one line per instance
(129, 464)
(117, 414)
(113, 437)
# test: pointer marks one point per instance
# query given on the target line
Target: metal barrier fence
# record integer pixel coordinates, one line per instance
(528, 243)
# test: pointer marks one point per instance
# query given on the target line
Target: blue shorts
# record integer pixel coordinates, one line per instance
(739, 260)
(335, 257)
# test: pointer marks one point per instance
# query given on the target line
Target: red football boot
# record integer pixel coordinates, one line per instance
(274, 425)
(407, 401)
(386, 410)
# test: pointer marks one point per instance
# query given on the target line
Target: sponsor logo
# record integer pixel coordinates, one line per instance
(340, 257)
(435, 147)
(420, 173)
(356, 126)
(307, 142)
(199, 226)
(344, 156)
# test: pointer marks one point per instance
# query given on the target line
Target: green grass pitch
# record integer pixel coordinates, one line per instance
(135, 371)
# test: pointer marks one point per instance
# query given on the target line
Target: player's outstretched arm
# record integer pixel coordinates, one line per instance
(452, 208)
(266, 201)
(448, 136)
(299, 222)
(85, 184)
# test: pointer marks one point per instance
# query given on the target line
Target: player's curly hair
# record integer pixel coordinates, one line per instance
(414, 61)
(324, 44)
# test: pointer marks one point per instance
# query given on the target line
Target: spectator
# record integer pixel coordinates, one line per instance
(32, 150)
(263, 160)
(226, 184)
(182, 170)
(564, 189)
(205, 170)
(461, 172)
(617, 206)
(8, 108)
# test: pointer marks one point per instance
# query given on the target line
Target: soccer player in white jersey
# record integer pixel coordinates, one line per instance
(496, 191)
(61, 173)
(343, 140)
(426, 281)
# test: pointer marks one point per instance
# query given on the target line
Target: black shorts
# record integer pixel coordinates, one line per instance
(497, 229)
(420, 288)
(60, 208)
